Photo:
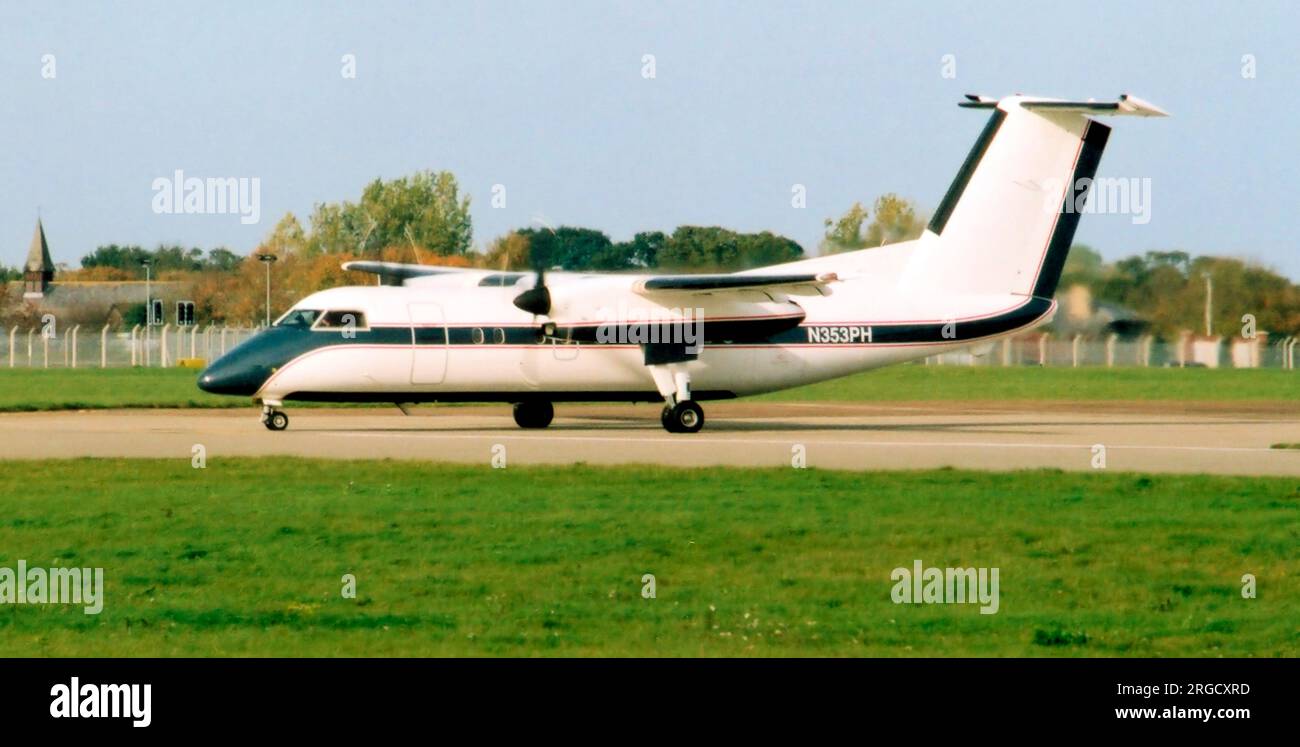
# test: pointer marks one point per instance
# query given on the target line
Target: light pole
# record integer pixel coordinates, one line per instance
(148, 308)
(267, 259)
(148, 296)
(1209, 296)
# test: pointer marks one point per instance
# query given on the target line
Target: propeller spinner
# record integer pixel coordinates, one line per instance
(537, 299)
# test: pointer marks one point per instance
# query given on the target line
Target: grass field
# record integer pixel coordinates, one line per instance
(69, 389)
(246, 557)
(94, 388)
(915, 383)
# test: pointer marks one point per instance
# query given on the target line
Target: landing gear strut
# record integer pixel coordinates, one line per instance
(273, 419)
(534, 414)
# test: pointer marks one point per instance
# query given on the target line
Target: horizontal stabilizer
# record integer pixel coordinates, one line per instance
(1126, 105)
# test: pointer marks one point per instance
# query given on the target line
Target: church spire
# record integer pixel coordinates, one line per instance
(39, 269)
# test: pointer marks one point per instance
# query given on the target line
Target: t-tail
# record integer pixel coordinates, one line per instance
(1007, 221)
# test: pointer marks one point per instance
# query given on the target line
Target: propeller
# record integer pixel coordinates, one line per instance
(537, 299)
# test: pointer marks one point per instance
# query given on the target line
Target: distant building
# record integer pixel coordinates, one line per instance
(78, 302)
(1080, 313)
(38, 271)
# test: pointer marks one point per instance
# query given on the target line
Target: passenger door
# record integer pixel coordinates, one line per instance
(428, 344)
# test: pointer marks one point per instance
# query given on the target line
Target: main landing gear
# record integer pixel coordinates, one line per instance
(534, 414)
(681, 414)
(273, 419)
(684, 417)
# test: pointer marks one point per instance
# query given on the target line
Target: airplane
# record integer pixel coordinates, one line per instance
(985, 268)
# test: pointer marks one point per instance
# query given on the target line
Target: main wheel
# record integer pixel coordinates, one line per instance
(685, 417)
(276, 421)
(534, 414)
(666, 419)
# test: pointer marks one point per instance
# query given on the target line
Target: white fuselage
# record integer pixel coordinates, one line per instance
(447, 337)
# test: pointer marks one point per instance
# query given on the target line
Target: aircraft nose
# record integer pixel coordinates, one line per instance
(232, 376)
(246, 368)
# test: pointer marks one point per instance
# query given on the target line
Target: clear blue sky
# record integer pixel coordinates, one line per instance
(547, 98)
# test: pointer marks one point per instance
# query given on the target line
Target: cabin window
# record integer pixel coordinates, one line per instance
(477, 335)
(300, 318)
(498, 336)
(341, 320)
(502, 279)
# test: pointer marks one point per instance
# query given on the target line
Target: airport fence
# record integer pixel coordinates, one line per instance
(85, 347)
(169, 345)
(1039, 349)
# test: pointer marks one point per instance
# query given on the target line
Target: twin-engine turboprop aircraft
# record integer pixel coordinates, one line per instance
(985, 268)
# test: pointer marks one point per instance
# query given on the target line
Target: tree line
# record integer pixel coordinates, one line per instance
(1168, 289)
(425, 218)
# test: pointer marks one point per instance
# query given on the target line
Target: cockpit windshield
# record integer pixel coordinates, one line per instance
(298, 318)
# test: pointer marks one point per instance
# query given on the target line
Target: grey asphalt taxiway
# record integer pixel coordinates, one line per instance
(1218, 439)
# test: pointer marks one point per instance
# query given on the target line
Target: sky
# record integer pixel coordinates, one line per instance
(551, 100)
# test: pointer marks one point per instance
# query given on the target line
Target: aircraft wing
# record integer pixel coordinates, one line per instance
(791, 284)
(403, 271)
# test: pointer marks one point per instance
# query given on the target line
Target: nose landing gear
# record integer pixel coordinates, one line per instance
(273, 419)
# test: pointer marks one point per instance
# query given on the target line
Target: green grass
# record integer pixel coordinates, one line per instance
(66, 389)
(246, 557)
(30, 390)
(908, 383)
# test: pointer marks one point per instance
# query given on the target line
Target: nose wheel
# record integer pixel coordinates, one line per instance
(274, 420)
(684, 417)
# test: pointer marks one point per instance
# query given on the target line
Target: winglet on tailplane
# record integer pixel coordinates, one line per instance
(1007, 221)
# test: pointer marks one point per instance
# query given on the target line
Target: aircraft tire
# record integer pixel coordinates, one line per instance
(685, 417)
(534, 414)
(276, 421)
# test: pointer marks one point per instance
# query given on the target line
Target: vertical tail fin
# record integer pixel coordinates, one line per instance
(1003, 226)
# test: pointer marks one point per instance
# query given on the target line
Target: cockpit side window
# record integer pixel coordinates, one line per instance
(341, 319)
(300, 318)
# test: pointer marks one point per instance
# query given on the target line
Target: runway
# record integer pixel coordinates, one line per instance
(1148, 438)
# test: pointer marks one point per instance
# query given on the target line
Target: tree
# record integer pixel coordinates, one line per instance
(101, 273)
(846, 233)
(711, 248)
(422, 212)
(700, 247)
(508, 252)
(644, 248)
(1168, 289)
(223, 260)
(129, 261)
(896, 220)
(572, 249)
(766, 248)
(1083, 266)
(286, 238)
